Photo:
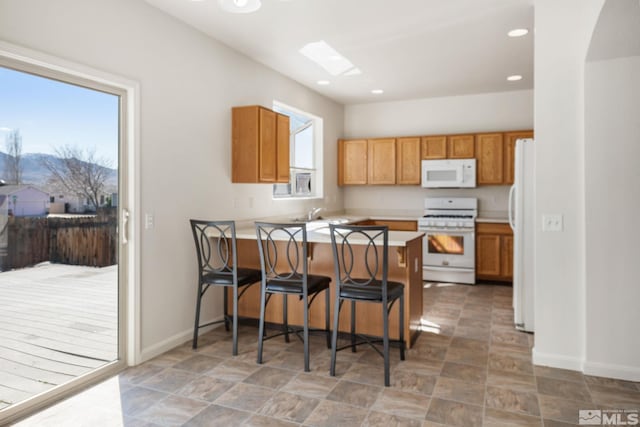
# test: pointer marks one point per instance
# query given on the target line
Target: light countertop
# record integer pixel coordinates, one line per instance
(493, 220)
(318, 230)
(497, 217)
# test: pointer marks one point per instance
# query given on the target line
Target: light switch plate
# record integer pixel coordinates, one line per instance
(552, 222)
(148, 221)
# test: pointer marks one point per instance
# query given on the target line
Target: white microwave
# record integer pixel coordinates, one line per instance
(451, 173)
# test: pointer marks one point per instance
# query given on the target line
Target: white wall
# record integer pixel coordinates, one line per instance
(612, 178)
(432, 116)
(560, 54)
(188, 85)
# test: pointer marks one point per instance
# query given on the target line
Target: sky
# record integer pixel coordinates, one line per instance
(52, 114)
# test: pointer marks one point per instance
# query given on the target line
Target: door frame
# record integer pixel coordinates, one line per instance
(129, 348)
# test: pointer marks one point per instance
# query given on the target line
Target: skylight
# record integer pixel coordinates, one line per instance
(328, 58)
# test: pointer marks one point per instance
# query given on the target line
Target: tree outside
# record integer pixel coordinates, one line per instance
(79, 171)
(13, 161)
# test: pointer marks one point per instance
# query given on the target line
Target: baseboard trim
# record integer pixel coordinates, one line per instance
(175, 340)
(621, 372)
(557, 361)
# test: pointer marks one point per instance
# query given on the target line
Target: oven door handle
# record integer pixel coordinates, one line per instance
(447, 230)
(432, 268)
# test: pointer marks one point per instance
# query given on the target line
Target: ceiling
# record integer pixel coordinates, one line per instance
(409, 48)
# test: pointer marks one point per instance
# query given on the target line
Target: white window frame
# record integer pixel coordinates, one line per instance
(318, 149)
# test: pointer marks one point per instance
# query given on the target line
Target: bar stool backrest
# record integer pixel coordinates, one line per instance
(216, 247)
(278, 263)
(360, 271)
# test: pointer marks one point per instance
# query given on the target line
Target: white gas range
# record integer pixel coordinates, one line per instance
(449, 246)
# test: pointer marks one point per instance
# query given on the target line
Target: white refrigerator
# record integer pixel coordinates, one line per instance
(521, 219)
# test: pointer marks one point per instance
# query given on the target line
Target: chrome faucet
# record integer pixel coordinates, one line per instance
(312, 213)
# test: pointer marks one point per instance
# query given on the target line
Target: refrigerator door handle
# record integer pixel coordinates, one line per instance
(512, 222)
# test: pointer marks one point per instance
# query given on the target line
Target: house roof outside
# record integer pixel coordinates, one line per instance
(13, 188)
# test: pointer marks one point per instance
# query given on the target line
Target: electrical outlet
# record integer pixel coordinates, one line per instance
(148, 221)
(552, 222)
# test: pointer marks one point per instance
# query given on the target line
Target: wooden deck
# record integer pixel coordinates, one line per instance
(57, 322)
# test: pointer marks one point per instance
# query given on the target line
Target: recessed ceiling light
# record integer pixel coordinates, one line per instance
(377, 91)
(518, 32)
(327, 57)
(323, 82)
(514, 78)
(240, 6)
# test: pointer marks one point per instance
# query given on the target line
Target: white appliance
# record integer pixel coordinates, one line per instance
(521, 219)
(451, 173)
(449, 245)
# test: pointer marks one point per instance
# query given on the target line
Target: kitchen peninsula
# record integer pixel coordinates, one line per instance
(405, 265)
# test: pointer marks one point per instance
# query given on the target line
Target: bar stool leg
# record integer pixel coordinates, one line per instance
(285, 317)
(327, 321)
(306, 334)
(353, 326)
(385, 341)
(401, 334)
(263, 303)
(235, 319)
(226, 310)
(334, 335)
(194, 345)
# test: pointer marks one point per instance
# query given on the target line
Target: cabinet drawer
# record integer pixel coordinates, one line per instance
(493, 228)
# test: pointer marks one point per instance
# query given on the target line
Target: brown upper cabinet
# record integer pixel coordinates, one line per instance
(259, 145)
(434, 147)
(461, 147)
(352, 161)
(397, 160)
(382, 161)
(448, 147)
(408, 161)
(282, 148)
(490, 158)
(510, 152)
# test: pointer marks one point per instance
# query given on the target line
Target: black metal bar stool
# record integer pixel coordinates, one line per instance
(283, 259)
(364, 279)
(218, 266)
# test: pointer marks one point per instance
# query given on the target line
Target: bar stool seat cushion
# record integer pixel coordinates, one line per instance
(315, 283)
(372, 291)
(245, 277)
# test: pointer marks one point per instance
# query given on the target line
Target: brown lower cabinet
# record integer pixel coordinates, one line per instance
(494, 252)
(393, 224)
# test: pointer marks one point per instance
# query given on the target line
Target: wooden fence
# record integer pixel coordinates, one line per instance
(90, 241)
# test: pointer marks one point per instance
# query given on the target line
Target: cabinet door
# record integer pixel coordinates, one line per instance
(510, 153)
(382, 161)
(267, 146)
(408, 161)
(488, 255)
(245, 124)
(461, 147)
(282, 137)
(490, 164)
(352, 162)
(507, 258)
(434, 147)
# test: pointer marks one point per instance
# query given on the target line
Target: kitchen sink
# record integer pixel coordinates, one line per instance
(320, 222)
(305, 220)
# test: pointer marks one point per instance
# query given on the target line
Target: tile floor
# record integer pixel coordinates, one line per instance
(468, 368)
